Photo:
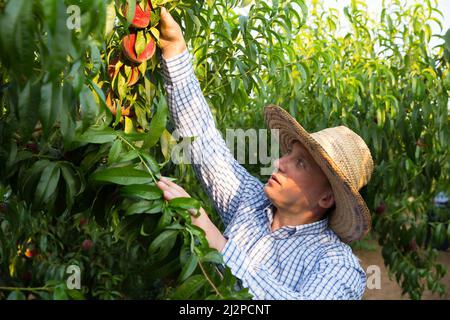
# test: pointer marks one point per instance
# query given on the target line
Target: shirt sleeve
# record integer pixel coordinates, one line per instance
(223, 178)
(330, 280)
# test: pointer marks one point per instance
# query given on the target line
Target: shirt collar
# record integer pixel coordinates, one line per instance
(317, 227)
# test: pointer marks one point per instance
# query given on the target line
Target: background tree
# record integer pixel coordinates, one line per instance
(84, 134)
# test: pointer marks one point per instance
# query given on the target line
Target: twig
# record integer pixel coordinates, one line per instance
(140, 157)
(209, 280)
(25, 289)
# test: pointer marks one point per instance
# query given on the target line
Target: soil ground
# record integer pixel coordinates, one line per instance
(390, 290)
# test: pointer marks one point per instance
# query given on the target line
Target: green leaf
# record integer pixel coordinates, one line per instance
(75, 295)
(448, 231)
(12, 155)
(142, 231)
(165, 220)
(150, 162)
(43, 243)
(184, 203)
(68, 125)
(176, 226)
(139, 207)
(17, 37)
(189, 287)
(71, 184)
(101, 97)
(33, 172)
(158, 124)
(48, 183)
(115, 151)
(447, 40)
(129, 125)
(121, 86)
(16, 295)
(122, 175)
(51, 103)
(97, 135)
(76, 79)
(213, 256)
(28, 98)
(89, 108)
(16, 159)
(158, 3)
(163, 244)
(59, 43)
(188, 268)
(157, 206)
(110, 18)
(167, 143)
(131, 10)
(141, 43)
(131, 155)
(96, 59)
(155, 33)
(147, 192)
(135, 136)
(60, 293)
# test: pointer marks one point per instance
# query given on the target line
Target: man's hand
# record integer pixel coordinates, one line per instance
(171, 38)
(171, 190)
(215, 238)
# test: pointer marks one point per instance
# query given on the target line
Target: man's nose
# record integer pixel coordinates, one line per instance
(277, 165)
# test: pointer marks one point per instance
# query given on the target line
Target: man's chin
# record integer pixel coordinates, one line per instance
(268, 190)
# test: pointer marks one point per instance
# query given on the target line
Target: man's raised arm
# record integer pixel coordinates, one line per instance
(222, 177)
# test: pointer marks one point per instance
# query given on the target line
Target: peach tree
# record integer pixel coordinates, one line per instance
(84, 135)
(381, 77)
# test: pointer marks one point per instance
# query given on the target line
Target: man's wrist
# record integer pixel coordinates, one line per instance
(177, 68)
(172, 51)
(220, 243)
(213, 235)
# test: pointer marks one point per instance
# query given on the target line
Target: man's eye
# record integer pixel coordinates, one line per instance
(300, 163)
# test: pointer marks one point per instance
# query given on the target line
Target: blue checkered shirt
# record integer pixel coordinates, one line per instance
(294, 262)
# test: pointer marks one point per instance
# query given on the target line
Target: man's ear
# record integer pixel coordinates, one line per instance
(326, 201)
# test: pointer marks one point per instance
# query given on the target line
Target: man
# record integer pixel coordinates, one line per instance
(286, 239)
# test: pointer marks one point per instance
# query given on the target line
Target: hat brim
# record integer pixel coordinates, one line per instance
(351, 219)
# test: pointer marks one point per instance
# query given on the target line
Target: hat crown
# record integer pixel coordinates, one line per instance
(349, 152)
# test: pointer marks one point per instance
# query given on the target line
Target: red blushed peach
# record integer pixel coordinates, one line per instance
(129, 50)
(87, 245)
(142, 14)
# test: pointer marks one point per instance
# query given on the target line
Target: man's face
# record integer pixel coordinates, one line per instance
(298, 183)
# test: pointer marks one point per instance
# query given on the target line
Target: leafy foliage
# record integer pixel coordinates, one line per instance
(79, 169)
(84, 135)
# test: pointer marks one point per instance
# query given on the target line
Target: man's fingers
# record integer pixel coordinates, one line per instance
(160, 184)
(167, 185)
(164, 13)
(166, 17)
(168, 195)
(171, 184)
(167, 190)
(171, 37)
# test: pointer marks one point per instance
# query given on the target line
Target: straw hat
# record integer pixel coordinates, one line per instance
(346, 161)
